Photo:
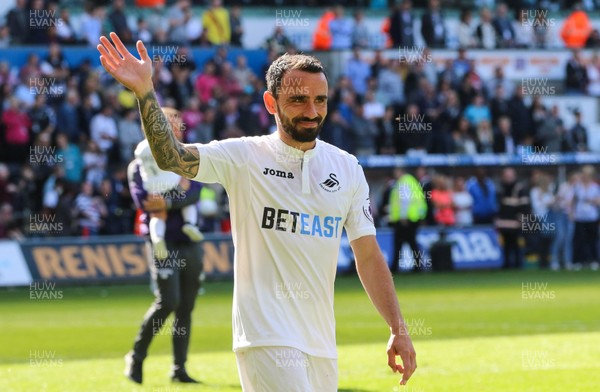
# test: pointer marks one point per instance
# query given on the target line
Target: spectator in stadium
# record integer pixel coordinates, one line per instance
(520, 118)
(112, 222)
(486, 32)
(449, 74)
(576, 28)
(360, 34)
(465, 34)
(586, 215)
(425, 179)
(358, 71)
(499, 79)
(16, 131)
(243, 74)
(90, 211)
(118, 21)
(388, 132)
(7, 188)
(477, 111)
(577, 135)
(142, 31)
(401, 25)
(551, 133)
(278, 42)
(415, 132)
(503, 24)
(206, 82)
(72, 160)
(104, 131)
(432, 26)
(543, 230)
(17, 20)
(65, 32)
(56, 67)
(341, 30)
(53, 188)
(216, 23)
(565, 227)
(441, 198)
(31, 69)
(460, 66)
(130, 134)
(40, 22)
(576, 77)
(177, 21)
(593, 41)
(90, 26)
(181, 88)
(364, 133)
(504, 140)
(483, 191)
(463, 141)
(237, 29)
(67, 117)
(499, 105)
(524, 30)
(462, 201)
(42, 116)
(373, 108)
(593, 73)
(9, 224)
(228, 82)
(485, 138)
(29, 191)
(4, 36)
(406, 209)
(336, 130)
(95, 162)
(514, 203)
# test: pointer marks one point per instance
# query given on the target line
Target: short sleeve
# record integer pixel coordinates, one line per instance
(220, 161)
(359, 221)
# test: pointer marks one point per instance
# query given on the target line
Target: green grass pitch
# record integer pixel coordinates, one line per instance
(473, 331)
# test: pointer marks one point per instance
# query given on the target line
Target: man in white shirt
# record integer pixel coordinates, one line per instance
(103, 129)
(290, 197)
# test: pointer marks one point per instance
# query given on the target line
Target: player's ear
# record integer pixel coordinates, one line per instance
(270, 102)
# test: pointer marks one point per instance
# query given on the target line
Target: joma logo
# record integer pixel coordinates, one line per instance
(277, 173)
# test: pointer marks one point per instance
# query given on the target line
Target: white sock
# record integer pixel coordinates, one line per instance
(190, 214)
(157, 229)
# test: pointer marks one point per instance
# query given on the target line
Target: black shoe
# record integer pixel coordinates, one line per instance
(133, 368)
(183, 377)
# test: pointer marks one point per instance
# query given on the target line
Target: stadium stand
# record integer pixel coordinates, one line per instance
(451, 90)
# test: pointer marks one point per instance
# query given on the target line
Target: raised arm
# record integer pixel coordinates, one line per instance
(136, 75)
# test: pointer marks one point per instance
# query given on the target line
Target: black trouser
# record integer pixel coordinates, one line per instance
(177, 280)
(585, 240)
(405, 232)
(512, 251)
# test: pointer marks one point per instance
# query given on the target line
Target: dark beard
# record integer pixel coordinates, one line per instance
(305, 135)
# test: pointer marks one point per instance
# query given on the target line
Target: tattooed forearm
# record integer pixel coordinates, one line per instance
(170, 154)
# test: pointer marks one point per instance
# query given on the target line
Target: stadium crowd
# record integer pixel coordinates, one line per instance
(69, 131)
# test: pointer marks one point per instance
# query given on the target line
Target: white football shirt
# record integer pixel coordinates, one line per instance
(154, 178)
(288, 210)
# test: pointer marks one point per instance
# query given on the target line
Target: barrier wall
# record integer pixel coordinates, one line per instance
(120, 259)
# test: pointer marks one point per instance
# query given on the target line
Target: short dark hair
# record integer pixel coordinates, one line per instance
(286, 62)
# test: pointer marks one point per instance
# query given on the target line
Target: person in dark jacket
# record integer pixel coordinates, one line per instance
(513, 200)
(176, 278)
(401, 25)
(576, 77)
(432, 26)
